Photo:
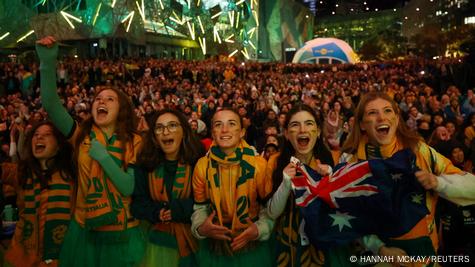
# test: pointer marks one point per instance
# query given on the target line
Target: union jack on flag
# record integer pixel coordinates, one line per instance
(345, 182)
(378, 196)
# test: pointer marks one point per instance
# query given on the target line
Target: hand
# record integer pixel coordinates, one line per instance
(427, 180)
(47, 50)
(165, 215)
(395, 253)
(289, 171)
(324, 169)
(240, 241)
(214, 231)
(98, 151)
(47, 41)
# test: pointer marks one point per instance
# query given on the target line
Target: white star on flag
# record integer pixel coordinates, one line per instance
(417, 198)
(341, 219)
(396, 176)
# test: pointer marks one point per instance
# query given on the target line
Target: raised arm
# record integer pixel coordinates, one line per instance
(47, 50)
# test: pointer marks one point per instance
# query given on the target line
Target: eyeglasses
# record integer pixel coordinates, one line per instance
(171, 127)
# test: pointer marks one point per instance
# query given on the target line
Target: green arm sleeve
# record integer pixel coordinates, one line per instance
(49, 97)
(124, 181)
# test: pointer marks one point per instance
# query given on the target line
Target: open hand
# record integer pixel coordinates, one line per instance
(240, 241)
(211, 230)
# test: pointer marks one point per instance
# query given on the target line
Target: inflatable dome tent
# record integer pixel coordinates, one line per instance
(325, 51)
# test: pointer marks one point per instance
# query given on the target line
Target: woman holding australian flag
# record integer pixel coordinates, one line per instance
(302, 142)
(379, 132)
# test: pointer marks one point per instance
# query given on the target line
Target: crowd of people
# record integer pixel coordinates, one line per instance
(180, 163)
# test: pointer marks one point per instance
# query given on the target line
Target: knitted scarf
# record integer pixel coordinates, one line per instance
(106, 208)
(244, 156)
(181, 189)
(48, 209)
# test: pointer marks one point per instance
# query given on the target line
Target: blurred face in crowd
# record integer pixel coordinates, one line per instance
(282, 119)
(302, 133)
(438, 119)
(271, 115)
(242, 111)
(458, 157)
(271, 130)
(442, 133)
(413, 111)
(169, 135)
(337, 107)
(380, 122)
(272, 139)
(105, 109)
(194, 125)
(450, 126)
(44, 144)
(227, 130)
(410, 97)
(269, 151)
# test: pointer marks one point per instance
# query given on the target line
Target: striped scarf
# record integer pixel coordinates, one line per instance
(181, 190)
(244, 156)
(48, 209)
(106, 208)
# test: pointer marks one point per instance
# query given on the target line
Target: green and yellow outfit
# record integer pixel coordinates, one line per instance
(289, 251)
(103, 232)
(45, 214)
(233, 186)
(171, 244)
(422, 239)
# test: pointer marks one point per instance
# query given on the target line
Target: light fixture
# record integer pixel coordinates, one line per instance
(25, 36)
(5, 35)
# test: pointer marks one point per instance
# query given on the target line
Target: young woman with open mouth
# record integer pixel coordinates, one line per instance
(103, 231)
(45, 184)
(301, 141)
(163, 190)
(379, 132)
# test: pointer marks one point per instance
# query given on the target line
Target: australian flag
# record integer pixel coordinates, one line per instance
(376, 196)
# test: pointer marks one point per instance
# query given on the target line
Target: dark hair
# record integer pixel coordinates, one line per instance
(320, 150)
(408, 138)
(62, 161)
(191, 149)
(126, 121)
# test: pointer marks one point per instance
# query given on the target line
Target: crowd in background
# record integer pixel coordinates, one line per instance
(434, 95)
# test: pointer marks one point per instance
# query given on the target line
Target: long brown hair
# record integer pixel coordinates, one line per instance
(407, 137)
(126, 123)
(191, 149)
(62, 161)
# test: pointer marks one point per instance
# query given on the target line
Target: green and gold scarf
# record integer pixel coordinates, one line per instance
(181, 190)
(48, 209)
(244, 156)
(106, 208)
